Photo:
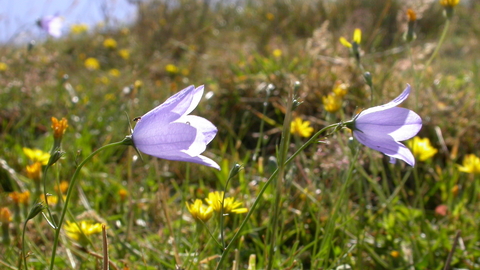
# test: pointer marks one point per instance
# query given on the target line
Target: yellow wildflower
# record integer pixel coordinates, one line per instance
(471, 164)
(410, 34)
(102, 80)
(123, 193)
(125, 31)
(229, 205)
(62, 187)
(36, 155)
(270, 16)
(357, 38)
(52, 200)
(340, 89)
(332, 103)
(81, 230)
(301, 128)
(20, 197)
(277, 53)
(449, 3)
(59, 127)
(3, 66)
(412, 16)
(114, 72)
(124, 53)
(5, 215)
(110, 43)
(395, 254)
(199, 211)
(138, 84)
(34, 171)
(172, 69)
(422, 148)
(79, 28)
(92, 63)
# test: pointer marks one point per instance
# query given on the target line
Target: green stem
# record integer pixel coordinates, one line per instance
(44, 180)
(270, 179)
(440, 42)
(126, 141)
(284, 142)
(23, 245)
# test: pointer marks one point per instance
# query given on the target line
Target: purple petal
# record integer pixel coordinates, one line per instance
(387, 145)
(203, 160)
(397, 101)
(203, 126)
(164, 141)
(181, 103)
(400, 123)
(172, 109)
(53, 25)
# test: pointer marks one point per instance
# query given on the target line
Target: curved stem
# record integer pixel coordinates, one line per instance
(270, 179)
(440, 42)
(126, 141)
(24, 256)
(50, 216)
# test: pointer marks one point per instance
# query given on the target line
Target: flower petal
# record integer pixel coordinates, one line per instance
(345, 42)
(387, 145)
(397, 101)
(203, 126)
(400, 123)
(181, 103)
(165, 141)
(357, 35)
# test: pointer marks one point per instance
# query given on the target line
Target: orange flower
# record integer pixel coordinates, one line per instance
(59, 127)
(5, 215)
(412, 16)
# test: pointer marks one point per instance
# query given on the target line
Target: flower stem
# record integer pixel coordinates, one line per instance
(440, 42)
(126, 141)
(284, 142)
(313, 139)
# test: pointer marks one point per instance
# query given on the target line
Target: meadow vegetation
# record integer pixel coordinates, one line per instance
(335, 205)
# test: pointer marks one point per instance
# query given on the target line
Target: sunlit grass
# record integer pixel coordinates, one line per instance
(337, 203)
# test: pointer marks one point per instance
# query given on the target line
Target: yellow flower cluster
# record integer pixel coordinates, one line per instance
(357, 38)
(20, 197)
(215, 203)
(333, 101)
(449, 3)
(200, 211)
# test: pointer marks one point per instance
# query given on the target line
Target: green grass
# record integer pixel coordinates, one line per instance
(336, 203)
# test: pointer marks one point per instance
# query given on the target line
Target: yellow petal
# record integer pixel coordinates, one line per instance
(357, 35)
(345, 42)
